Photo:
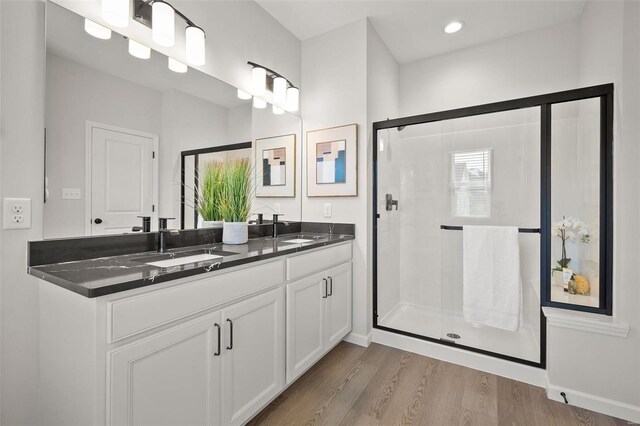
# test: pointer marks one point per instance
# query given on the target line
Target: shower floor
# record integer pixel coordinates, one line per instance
(436, 323)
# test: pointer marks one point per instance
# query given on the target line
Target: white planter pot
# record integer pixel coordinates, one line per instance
(235, 232)
(209, 223)
(557, 278)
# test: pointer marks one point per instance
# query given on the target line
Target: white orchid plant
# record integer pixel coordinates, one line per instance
(572, 229)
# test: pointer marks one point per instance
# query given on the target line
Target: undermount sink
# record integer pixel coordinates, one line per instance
(168, 260)
(301, 239)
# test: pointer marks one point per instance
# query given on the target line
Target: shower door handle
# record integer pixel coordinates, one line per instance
(391, 202)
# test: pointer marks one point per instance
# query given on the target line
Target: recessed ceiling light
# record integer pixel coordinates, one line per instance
(453, 27)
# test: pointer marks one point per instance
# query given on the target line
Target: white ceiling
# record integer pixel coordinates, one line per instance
(414, 29)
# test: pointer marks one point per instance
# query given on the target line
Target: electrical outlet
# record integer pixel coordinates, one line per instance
(276, 208)
(16, 213)
(70, 193)
(327, 210)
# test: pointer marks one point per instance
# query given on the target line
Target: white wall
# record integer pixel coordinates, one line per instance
(532, 63)
(334, 93)
(77, 94)
(22, 78)
(606, 369)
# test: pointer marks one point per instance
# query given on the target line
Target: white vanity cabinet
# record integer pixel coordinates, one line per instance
(205, 350)
(318, 309)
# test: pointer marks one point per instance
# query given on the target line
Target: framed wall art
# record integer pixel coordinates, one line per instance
(332, 162)
(275, 166)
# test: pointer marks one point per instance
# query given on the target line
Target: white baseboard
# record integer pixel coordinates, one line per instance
(358, 339)
(602, 405)
(523, 373)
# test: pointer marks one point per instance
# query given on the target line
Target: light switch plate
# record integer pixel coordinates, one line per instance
(327, 209)
(71, 193)
(16, 213)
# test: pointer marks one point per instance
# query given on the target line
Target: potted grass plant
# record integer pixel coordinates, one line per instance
(210, 203)
(236, 200)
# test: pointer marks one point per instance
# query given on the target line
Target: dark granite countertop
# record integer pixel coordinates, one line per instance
(112, 274)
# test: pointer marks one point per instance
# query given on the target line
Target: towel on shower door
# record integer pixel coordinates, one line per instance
(491, 276)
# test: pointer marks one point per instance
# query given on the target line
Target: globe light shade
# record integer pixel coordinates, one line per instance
(258, 80)
(279, 90)
(97, 30)
(177, 66)
(139, 50)
(116, 12)
(195, 45)
(164, 24)
(293, 99)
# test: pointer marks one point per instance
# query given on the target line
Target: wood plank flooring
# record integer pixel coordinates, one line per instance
(381, 385)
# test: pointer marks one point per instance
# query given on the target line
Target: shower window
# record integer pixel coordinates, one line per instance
(471, 183)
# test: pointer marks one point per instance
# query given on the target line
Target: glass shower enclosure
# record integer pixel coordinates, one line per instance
(433, 178)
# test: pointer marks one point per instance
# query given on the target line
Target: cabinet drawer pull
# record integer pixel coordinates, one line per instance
(330, 286)
(230, 334)
(219, 337)
(324, 288)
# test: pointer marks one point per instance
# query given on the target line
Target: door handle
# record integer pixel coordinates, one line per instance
(218, 327)
(325, 295)
(97, 221)
(230, 334)
(390, 202)
(330, 286)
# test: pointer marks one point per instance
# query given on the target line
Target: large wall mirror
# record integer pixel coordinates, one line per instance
(117, 126)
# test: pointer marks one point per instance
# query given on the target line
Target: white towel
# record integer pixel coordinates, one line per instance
(491, 276)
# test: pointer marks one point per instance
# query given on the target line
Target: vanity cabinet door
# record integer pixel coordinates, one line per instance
(253, 355)
(338, 303)
(171, 378)
(305, 324)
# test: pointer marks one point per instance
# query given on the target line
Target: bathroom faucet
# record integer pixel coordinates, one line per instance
(275, 224)
(146, 225)
(162, 233)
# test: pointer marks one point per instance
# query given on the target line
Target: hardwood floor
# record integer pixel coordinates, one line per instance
(381, 385)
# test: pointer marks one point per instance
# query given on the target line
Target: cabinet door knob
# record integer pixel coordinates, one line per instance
(330, 286)
(219, 343)
(97, 221)
(230, 334)
(324, 288)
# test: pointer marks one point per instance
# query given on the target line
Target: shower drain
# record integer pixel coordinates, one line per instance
(453, 336)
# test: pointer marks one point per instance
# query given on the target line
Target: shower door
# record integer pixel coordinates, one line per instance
(432, 178)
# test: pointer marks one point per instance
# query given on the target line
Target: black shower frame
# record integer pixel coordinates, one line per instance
(605, 93)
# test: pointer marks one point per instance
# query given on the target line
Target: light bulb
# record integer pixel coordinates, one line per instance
(279, 90)
(258, 80)
(139, 50)
(97, 30)
(116, 12)
(243, 95)
(177, 66)
(453, 27)
(259, 103)
(164, 28)
(293, 99)
(195, 45)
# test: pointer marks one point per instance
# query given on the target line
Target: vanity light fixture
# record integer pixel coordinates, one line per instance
(116, 12)
(286, 97)
(139, 50)
(453, 27)
(160, 16)
(97, 30)
(177, 66)
(163, 17)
